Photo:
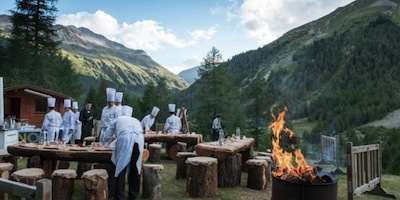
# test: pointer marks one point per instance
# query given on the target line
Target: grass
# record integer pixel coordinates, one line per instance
(173, 189)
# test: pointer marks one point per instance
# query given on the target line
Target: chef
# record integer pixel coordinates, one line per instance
(127, 153)
(52, 121)
(173, 123)
(77, 132)
(148, 120)
(68, 121)
(118, 103)
(108, 113)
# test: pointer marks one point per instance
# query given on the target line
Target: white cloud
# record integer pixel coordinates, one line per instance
(266, 20)
(148, 35)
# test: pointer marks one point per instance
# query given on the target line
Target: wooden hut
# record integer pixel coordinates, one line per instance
(28, 103)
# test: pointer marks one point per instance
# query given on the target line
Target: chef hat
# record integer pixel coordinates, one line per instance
(171, 107)
(67, 103)
(127, 110)
(110, 94)
(155, 110)
(75, 105)
(51, 102)
(118, 96)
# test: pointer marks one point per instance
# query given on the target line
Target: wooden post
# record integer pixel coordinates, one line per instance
(181, 164)
(154, 153)
(96, 184)
(152, 181)
(202, 176)
(43, 189)
(63, 181)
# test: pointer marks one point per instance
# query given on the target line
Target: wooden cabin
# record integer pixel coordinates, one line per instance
(28, 103)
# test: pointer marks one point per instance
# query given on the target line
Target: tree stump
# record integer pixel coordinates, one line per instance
(28, 176)
(202, 176)
(182, 147)
(269, 162)
(5, 169)
(256, 178)
(81, 168)
(181, 164)
(152, 181)
(155, 153)
(34, 162)
(5, 157)
(112, 180)
(230, 171)
(96, 184)
(63, 181)
(172, 149)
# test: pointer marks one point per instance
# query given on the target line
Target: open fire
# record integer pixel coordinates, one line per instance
(293, 178)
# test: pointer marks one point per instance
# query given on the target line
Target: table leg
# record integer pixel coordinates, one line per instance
(48, 167)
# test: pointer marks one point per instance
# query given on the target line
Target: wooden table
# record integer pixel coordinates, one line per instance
(231, 157)
(172, 140)
(50, 156)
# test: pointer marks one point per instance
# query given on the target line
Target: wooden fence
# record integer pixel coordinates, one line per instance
(364, 170)
(42, 190)
(330, 152)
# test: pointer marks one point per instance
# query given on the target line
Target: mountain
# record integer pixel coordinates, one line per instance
(342, 69)
(96, 58)
(189, 75)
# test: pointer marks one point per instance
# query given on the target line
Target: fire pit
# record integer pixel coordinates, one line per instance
(296, 181)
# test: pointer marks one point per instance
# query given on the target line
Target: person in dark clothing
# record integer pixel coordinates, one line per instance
(86, 117)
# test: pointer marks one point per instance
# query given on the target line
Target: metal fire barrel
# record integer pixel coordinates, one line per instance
(288, 190)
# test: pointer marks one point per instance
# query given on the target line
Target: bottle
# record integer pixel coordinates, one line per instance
(221, 138)
(238, 132)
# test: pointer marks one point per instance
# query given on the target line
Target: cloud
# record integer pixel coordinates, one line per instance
(148, 35)
(266, 20)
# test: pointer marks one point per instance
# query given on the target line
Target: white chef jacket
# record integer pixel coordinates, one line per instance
(52, 123)
(77, 132)
(147, 122)
(118, 110)
(68, 123)
(107, 116)
(172, 125)
(128, 131)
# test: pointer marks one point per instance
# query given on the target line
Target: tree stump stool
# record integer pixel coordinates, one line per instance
(152, 181)
(81, 168)
(269, 154)
(202, 176)
(230, 171)
(96, 184)
(256, 178)
(89, 140)
(269, 162)
(112, 180)
(63, 181)
(182, 147)
(5, 169)
(155, 153)
(5, 157)
(28, 176)
(181, 164)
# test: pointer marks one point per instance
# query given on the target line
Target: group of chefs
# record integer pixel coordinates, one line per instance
(118, 129)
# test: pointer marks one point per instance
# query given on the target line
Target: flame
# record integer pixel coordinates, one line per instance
(284, 159)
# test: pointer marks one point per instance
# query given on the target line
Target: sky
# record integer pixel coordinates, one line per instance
(178, 34)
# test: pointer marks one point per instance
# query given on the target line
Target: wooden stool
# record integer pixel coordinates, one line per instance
(96, 184)
(269, 162)
(5, 157)
(230, 171)
(28, 176)
(202, 176)
(181, 164)
(5, 169)
(63, 181)
(182, 147)
(89, 140)
(152, 181)
(256, 178)
(111, 181)
(155, 153)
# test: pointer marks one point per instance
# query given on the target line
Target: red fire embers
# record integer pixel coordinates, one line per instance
(285, 157)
